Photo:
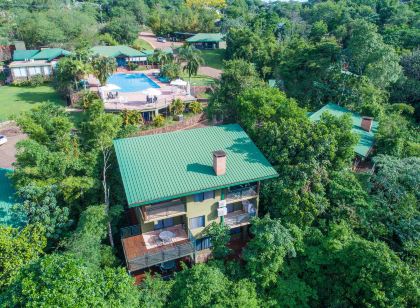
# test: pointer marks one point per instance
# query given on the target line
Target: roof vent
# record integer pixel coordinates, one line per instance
(367, 123)
(219, 162)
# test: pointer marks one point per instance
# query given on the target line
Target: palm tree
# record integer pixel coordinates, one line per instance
(192, 56)
(103, 67)
(161, 57)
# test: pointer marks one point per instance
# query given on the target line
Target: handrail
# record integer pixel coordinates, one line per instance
(241, 193)
(162, 211)
(129, 231)
(164, 255)
(238, 218)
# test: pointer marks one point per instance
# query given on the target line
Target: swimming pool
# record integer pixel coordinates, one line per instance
(135, 82)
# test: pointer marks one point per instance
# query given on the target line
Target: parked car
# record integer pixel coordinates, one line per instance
(3, 139)
(161, 39)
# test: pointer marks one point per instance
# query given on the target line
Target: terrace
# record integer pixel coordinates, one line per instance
(163, 210)
(151, 248)
(138, 100)
(241, 194)
(238, 218)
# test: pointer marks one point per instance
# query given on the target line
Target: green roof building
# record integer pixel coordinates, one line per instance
(183, 181)
(364, 127)
(29, 63)
(50, 54)
(207, 41)
(122, 54)
(22, 55)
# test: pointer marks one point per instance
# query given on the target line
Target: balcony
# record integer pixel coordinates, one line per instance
(238, 218)
(148, 249)
(163, 210)
(241, 194)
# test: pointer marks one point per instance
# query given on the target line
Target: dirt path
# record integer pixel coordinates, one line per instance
(8, 150)
(209, 71)
(151, 39)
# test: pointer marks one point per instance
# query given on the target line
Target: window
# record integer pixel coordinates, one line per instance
(47, 70)
(19, 72)
(164, 223)
(203, 243)
(204, 196)
(197, 222)
(233, 207)
(209, 195)
(199, 197)
(35, 70)
(235, 231)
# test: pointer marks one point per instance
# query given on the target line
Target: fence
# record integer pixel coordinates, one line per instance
(171, 253)
(170, 128)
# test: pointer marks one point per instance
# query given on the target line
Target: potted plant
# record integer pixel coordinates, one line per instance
(178, 108)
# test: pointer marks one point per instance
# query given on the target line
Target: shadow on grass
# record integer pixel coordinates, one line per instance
(39, 97)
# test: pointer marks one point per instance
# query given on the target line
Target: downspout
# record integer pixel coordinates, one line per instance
(222, 197)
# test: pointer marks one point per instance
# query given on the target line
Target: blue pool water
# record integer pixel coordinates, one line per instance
(135, 82)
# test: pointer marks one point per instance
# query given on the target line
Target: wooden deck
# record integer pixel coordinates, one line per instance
(149, 242)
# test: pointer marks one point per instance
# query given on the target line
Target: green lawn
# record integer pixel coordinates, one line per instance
(213, 58)
(142, 44)
(199, 80)
(14, 100)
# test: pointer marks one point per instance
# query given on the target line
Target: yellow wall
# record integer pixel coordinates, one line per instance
(150, 226)
(208, 208)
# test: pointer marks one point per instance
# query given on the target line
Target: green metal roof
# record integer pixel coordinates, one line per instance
(50, 54)
(115, 51)
(22, 55)
(8, 215)
(366, 139)
(44, 54)
(160, 167)
(206, 38)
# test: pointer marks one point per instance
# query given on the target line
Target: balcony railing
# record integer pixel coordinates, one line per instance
(164, 255)
(148, 249)
(129, 231)
(163, 210)
(238, 218)
(241, 194)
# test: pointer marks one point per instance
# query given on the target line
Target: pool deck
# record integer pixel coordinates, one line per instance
(137, 100)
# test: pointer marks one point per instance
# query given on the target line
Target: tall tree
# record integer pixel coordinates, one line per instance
(266, 252)
(193, 59)
(65, 281)
(99, 131)
(17, 249)
(103, 67)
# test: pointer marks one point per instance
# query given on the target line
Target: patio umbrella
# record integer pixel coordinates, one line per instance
(111, 87)
(188, 89)
(152, 92)
(178, 82)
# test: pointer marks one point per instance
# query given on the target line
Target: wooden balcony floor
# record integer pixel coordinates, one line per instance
(149, 242)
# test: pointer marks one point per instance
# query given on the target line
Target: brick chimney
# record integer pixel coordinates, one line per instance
(367, 123)
(219, 162)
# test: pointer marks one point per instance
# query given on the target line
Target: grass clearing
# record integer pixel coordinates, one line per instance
(141, 44)
(198, 80)
(14, 100)
(213, 58)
